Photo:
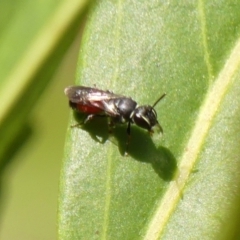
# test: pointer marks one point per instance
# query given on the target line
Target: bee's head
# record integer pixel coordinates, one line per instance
(146, 117)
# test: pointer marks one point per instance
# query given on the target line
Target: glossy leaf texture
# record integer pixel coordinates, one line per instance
(185, 184)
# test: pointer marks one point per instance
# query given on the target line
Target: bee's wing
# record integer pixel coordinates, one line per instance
(93, 97)
(81, 94)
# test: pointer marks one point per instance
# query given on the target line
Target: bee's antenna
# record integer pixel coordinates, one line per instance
(159, 100)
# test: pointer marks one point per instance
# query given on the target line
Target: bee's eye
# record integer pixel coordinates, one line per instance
(145, 117)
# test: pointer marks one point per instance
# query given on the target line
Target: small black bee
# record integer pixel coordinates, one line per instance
(120, 109)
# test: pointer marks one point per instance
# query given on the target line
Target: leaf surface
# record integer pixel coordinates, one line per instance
(184, 185)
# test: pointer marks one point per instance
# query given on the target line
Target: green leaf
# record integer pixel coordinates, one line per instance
(34, 38)
(142, 49)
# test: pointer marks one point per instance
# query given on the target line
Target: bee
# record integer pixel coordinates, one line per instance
(118, 108)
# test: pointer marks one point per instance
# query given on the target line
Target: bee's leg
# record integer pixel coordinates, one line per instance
(111, 125)
(128, 139)
(89, 117)
(76, 125)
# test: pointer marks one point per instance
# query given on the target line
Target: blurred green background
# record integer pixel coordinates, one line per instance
(39, 45)
(30, 181)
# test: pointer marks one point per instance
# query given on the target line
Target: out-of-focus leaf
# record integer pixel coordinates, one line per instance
(34, 37)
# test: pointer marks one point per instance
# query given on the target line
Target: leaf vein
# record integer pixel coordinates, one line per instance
(214, 97)
(204, 34)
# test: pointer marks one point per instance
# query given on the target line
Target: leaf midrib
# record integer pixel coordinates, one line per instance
(214, 97)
